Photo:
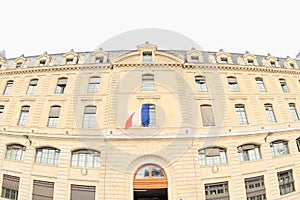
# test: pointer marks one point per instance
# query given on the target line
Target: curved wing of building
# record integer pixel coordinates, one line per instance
(149, 124)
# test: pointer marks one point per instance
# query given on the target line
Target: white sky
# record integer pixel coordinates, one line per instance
(31, 27)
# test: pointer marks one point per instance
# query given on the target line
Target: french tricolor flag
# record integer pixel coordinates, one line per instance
(139, 117)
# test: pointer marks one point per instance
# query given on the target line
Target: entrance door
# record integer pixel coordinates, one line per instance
(150, 183)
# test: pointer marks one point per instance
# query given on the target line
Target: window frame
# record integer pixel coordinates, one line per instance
(89, 116)
(148, 82)
(8, 87)
(241, 114)
(209, 156)
(47, 156)
(53, 118)
(2, 107)
(294, 112)
(249, 152)
(284, 85)
(285, 180)
(233, 84)
(279, 148)
(82, 156)
(24, 114)
(94, 84)
(201, 84)
(32, 86)
(270, 113)
(207, 115)
(214, 191)
(15, 152)
(260, 84)
(61, 85)
(255, 188)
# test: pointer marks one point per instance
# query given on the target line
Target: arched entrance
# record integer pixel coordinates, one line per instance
(150, 183)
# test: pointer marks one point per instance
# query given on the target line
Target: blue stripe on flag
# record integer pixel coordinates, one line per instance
(145, 115)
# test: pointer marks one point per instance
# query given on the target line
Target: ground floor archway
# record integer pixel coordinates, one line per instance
(150, 183)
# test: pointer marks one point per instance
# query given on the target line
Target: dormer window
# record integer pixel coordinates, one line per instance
(194, 59)
(272, 63)
(99, 59)
(224, 60)
(42, 63)
(19, 64)
(69, 61)
(250, 61)
(0, 65)
(147, 56)
(291, 65)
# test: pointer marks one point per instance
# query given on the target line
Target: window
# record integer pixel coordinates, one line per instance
(147, 56)
(255, 188)
(279, 148)
(150, 172)
(260, 84)
(212, 156)
(69, 61)
(217, 191)
(47, 155)
(8, 87)
(286, 182)
(19, 65)
(148, 115)
(23, 115)
(42, 63)
(42, 190)
(61, 85)
(32, 86)
(241, 114)
(224, 60)
(292, 65)
(249, 152)
(1, 111)
(86, 158)
(10, 187)
(15, 152)
(89, 118)
(298, 143)
(148, 82)
(272, 63)
(53, 116)
(194, 59)
(250, 62)
(294, 112)
(207, 115)
(284, 86)
(270, 113)
(233, 85)
(79, 192)
(94, 84)
(99, 59)
(201, 83)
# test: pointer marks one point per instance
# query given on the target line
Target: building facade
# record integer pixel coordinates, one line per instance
(215, 125)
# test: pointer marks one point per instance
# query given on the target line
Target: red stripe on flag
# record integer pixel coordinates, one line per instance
(129, 122)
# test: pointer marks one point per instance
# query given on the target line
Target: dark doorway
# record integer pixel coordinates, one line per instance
(151, 194)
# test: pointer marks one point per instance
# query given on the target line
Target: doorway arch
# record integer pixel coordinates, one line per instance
(150, 183)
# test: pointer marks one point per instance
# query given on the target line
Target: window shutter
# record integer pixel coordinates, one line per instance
(42, 190)
(62, 81)
(207, 115)
(54, 111)
(90, 109)
(94, 80)
(33, 82)
(231, 80)
(212, 152)
(248, 147)
(80, 192)
(11, 182)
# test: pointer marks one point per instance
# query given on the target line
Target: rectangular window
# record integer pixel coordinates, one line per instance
(249, 152)
(260, 85)
(279, 148)
(147, 56)
(217, 191)
(284, 86)
(241, 114)
(233, 85)
(212, 156)
(195, 59)
(19, 64)
(286, 182)
(270, 113)
(53, 116)
(207, 115)
(32, 86)
(99, 59)
(272, 63)
(69, 61)
(94, 84)
(10, 187)
(23, 115)
(1, 111)
(250, 62)
(61, 86)
(8, 87)
(201, 83)
(80, 192)
(42, 190)
(147, 82)
(42, 63)
(255, 188)
(89, 118)
(294, 112)
(224, 60)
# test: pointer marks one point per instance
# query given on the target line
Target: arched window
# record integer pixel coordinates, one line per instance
(47, 155)
(8, 87)
(212, 156)
(15, 152)
(249, 152)
(260, 84)
(207, 115)
(89, 118)
(150, 172)
(85, 158)
(32, 86)
(94, 84)
(241, 114)
(23, 115)
(53, 116)
(201, 83)
(279, 148)
(61, 85)
(147, 82)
